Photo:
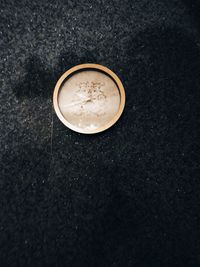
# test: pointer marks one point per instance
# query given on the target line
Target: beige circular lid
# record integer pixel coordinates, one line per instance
(89, 98)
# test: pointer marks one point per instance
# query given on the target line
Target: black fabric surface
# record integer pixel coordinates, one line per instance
(129, 196)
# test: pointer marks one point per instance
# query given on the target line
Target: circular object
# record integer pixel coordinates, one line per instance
(89, 98)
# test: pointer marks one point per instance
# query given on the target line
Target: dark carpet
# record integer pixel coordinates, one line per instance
(129, 196)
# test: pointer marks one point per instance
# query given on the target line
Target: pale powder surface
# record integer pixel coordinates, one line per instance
(89, 99)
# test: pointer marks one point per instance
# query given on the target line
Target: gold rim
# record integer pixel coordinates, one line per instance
(89, 66)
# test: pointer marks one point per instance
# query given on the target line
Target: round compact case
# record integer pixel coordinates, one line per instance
(89, 98)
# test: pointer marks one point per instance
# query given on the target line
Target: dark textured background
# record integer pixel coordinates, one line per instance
(129, 196)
